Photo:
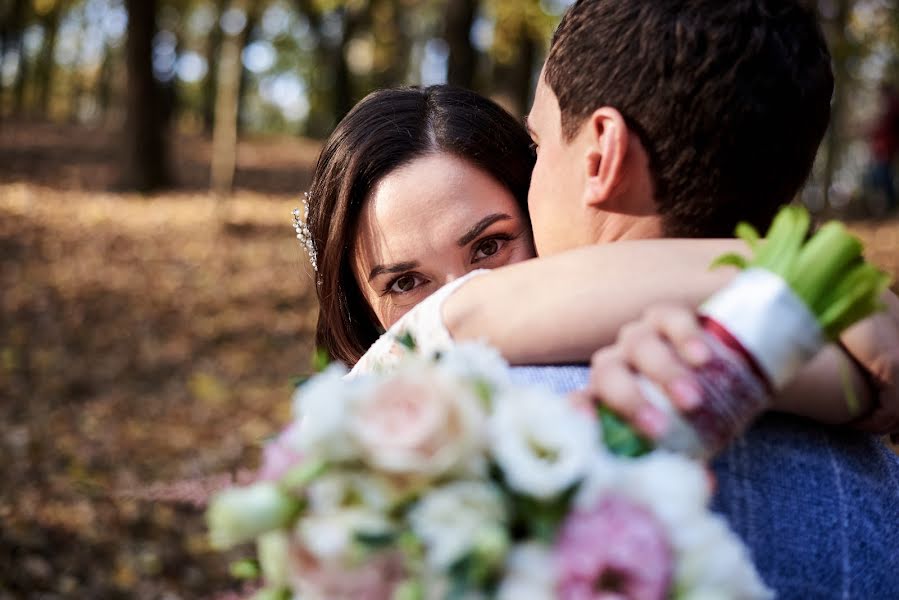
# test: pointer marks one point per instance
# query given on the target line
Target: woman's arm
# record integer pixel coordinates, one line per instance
(819, 391)
(658, 347)
(562, 308)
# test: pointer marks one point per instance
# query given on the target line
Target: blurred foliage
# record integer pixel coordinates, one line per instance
(293, 54)
(306, 62)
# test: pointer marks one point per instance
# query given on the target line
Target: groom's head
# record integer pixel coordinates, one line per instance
(675, 117)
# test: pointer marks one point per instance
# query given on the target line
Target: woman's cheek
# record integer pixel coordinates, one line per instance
(392, 309)
(395, 314)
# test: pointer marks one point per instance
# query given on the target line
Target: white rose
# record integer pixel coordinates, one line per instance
(713, 562)
(419, 423)
(530, 574)
(330, 537)
(542, 443)
(477, 361)
(321, 407)
(343, 489)
(675, 488)
(603, 475)
(239, 514)
(451, 520)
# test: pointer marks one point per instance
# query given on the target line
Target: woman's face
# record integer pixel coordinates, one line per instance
(429, 222)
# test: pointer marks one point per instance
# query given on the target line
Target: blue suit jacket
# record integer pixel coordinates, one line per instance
(817, 506)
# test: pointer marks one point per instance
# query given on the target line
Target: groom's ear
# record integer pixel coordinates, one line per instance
(606, 144)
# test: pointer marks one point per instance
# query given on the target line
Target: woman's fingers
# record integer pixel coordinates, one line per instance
(680, 326)
(651, 355)
(614, 383)
(663, 347)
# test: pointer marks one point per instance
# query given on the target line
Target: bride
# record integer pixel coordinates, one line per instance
(417, 188)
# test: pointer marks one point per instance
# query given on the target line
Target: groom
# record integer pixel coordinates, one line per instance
(680, 118)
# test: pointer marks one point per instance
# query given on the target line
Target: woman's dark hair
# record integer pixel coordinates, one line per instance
(384, 131)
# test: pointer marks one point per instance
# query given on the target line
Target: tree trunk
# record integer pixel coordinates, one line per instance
(5, 36)
(224, 134)
(20, 84)
(47, 60)
(103, 90)
(513, 80)
(77, 77)
(321, 114)
(393, 38)
(213, 52)
(521, 87)
(253, 11)
(145, 165)
(840, 51)
(19, 15)
(463, 57)
(344, 95)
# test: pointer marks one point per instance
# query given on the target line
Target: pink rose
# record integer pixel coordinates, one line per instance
(280, 454)
(617, 550)
(375, 579)
(418, 424)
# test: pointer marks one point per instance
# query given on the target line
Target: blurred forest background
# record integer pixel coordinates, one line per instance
(154, 303)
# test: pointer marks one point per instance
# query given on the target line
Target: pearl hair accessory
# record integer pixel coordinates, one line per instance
(303, 233)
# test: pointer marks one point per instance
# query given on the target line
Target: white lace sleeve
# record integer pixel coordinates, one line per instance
(423, 325)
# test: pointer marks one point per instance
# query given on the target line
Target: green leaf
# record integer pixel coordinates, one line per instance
(540, 519)
(376, 540)
(413, 549)
(320, 360)
(484, 391)
(410, 589)
(731, 259)
(748, 234)
(246, 568)
(298, 380)
(304, 474)
(619, 437)
(272, 593)
(407, 341)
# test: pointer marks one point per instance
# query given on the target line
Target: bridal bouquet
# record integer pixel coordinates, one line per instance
(442, 479)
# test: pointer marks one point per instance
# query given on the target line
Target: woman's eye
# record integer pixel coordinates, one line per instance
(487, 248)
(404, 284)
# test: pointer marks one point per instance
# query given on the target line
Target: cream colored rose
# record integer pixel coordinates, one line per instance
(418, 424)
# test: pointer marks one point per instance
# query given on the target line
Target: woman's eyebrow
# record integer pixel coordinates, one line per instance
(394, 268)
(480, 226)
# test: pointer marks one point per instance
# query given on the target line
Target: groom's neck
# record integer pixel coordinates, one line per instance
(616, 227)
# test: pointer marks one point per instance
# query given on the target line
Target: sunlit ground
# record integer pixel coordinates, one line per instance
(142, 339)
(146, 340)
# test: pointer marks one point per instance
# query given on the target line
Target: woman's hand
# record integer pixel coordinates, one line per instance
(663, 346)
(667, 342)
(874, 345)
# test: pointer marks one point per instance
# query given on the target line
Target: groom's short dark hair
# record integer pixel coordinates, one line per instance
(729, 97)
